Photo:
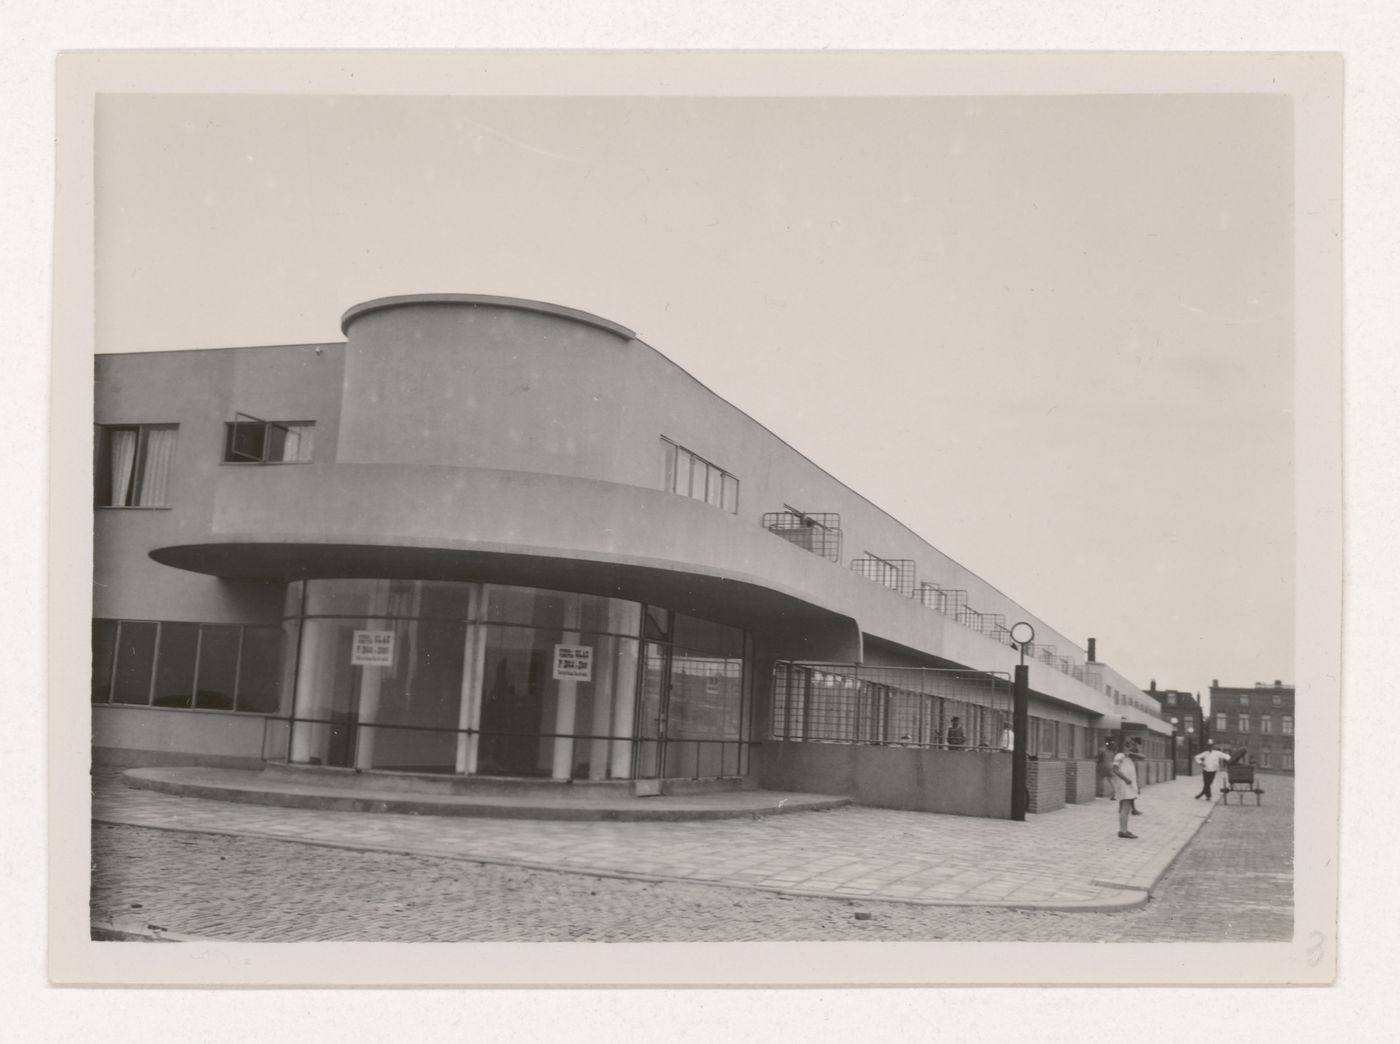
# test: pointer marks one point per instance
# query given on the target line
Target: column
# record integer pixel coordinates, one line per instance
(309, 741)
(604, 684)
(624, 708)
(371, 678)
(567, 698)
(473, 667)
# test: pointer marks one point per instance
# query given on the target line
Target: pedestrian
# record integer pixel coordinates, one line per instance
(1135, 752)
(1211, 761)
(1104, 770)
(957, 739)
(1008, 738)
(1125, 789)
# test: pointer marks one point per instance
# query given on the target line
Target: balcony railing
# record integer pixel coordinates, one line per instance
(895, 573)
(817, 532)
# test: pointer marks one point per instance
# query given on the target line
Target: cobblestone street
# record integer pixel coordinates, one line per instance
(1232, 883)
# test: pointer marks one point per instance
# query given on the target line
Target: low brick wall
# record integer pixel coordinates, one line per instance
(1080, 781)
(1046, 782)
(956, 782)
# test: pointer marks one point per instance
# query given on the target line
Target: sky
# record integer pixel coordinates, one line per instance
(1052, 335)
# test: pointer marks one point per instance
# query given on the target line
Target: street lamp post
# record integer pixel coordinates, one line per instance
(1176, 745)
(1022, 634)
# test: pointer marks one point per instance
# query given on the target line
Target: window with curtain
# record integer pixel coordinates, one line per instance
(248, 440)
(133, 464)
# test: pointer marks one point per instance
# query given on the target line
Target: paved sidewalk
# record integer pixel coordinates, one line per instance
(1065, 860)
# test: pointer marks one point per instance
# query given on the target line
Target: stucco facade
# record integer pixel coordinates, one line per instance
(469, 453)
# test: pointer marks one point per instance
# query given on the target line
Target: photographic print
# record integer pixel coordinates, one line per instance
(834, 503)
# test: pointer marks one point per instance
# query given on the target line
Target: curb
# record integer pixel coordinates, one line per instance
(580, 812)
(1149, 890)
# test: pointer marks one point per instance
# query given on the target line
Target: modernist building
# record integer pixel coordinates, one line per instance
(492, 537)
(1259, 719)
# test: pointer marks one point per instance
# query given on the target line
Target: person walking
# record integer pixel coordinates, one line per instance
(1103, 768)
(1125, 789)
(1211, 762)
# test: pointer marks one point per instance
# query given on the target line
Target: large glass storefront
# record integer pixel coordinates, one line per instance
(484, 679)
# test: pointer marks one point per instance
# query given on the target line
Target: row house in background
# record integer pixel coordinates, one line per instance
(1258, 718)
(1189, 728)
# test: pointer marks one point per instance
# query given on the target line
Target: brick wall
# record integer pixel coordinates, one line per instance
(1046, 782)
(1079, 782)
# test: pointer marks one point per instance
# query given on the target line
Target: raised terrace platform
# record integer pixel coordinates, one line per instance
(346, 790)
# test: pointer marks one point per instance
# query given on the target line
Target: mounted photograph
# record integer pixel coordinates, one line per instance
(802, 500)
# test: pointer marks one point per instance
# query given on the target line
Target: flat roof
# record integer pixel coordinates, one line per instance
(519, 303)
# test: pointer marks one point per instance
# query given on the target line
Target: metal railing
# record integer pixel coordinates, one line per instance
(669, 758)
(908, 706)
(895, 573)
(818, 532)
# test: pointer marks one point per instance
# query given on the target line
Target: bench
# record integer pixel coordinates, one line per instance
(1240, 780)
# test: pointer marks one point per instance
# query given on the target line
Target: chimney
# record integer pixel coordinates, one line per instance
(1215, 683)
(1278, 684)
(1091, 650)
(1152, 687)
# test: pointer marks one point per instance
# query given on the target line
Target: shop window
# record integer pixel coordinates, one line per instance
(132, 466)
(1288, 724)
(259, 670)
(218, 667)
(248, 440)
(104, 654)
(187, 665)
(690, 475)
(175, 661)
(136, 656)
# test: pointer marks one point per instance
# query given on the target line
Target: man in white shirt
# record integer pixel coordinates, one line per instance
(1211, 762)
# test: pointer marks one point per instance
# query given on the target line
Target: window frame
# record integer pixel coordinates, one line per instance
(248, 420)
(687, 474)
(154, 673)
(103, 479)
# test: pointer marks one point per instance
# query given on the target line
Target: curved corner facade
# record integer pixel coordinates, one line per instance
(486, 536)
